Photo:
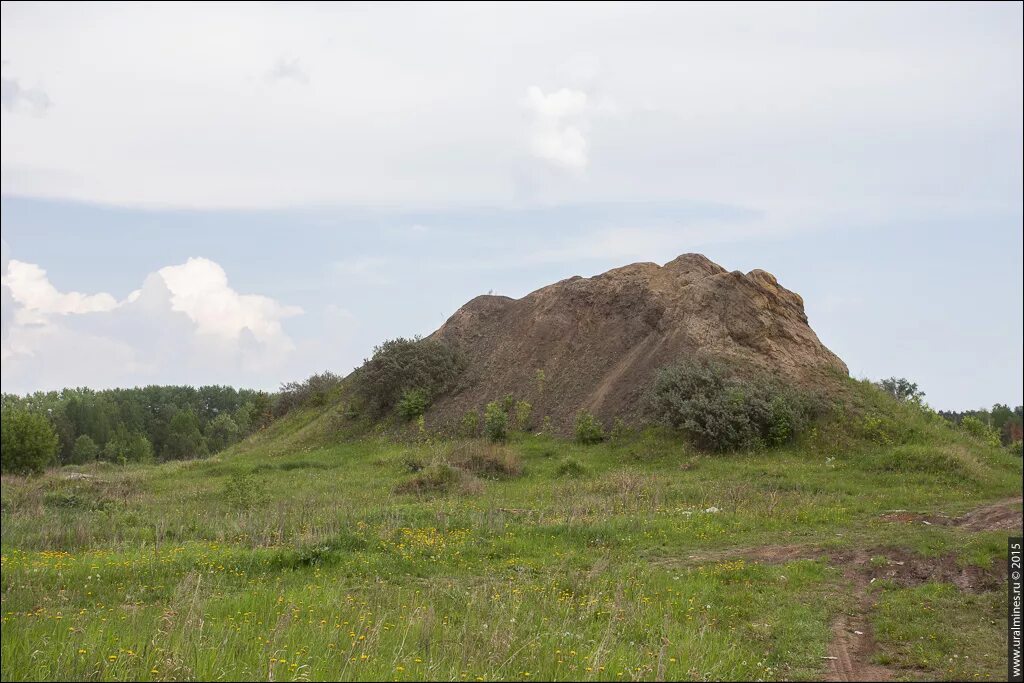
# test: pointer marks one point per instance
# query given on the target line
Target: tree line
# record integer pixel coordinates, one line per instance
(76, 426)
(1004, 419)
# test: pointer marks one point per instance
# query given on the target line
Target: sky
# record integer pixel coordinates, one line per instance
(247, 194)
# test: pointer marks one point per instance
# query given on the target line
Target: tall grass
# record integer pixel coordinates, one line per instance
(298, 555)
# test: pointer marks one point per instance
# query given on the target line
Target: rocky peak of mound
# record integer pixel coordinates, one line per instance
(600, 340)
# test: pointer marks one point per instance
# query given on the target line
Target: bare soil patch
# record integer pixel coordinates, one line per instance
(995, 517)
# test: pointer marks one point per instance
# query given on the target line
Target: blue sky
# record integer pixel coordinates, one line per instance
(252, 209)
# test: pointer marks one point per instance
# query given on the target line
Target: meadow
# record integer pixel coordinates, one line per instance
(306, 553)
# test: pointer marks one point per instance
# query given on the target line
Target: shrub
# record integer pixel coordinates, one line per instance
(878, 429)
(221, 432)
(29, 443)
(124, 447)
(522, 413)
(85, 450)
(495, 422)
(980, 430)
(722, 412)
(469, 426)
(413, 404)
(1015, 448)
(620, 432)
(589, 429)
(315, 391)
(902, 389)
(546, 427)
(490, 461)
(400, 365)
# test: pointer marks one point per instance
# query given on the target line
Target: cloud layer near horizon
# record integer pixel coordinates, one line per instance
(185, 319)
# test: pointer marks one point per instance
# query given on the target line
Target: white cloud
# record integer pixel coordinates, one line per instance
(199, 289)
(185, 324)
(30, 287)
(557, 127)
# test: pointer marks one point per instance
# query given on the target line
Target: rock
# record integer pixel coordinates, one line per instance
(600, 340)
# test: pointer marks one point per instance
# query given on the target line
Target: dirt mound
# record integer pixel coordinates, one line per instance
(599, 340)
(1002, 515)
(995, 517)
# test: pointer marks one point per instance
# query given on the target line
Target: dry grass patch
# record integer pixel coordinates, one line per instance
(487, 460)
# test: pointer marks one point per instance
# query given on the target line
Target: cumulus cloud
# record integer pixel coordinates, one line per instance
(185, 323)
(557, 127)
(30, 287)
(199, 289)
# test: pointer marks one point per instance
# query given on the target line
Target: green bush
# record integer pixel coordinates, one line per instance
(546, 427)
(902, 389)
(85, 450)
(620, 432)
(124, 447)
(222, 432)
(522, 413)
(413, 404)
(469, 426)
(879, 429)
(316, 391)
(29, 443)
(980, 430)
(589, 429)
(400, 365)
(722, 412)
(1015, 448)
(495, 422)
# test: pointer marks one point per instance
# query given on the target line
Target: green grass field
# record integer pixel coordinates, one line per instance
(292, 557)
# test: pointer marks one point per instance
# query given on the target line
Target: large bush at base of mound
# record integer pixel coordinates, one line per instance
(721, 411)
(403, 365)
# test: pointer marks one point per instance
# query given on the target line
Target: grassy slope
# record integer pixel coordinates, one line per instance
(151, 572)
